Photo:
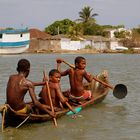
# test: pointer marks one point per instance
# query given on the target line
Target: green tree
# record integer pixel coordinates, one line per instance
(75, 31)
(59, 27)
(86, 14)
(87, 18)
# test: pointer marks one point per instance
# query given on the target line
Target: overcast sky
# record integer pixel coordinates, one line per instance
(41, 13)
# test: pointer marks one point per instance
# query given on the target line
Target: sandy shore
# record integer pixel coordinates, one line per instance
(81, 51)
(85, 51)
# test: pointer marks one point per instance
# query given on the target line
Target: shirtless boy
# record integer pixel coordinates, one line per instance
(55, 90)
(76, 76)
(17, 88)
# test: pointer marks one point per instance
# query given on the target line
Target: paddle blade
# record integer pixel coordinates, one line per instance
(77, 110)
(120, 91)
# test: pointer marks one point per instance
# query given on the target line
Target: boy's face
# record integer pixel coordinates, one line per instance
(81, 64)
(27, 72)
(55, 78)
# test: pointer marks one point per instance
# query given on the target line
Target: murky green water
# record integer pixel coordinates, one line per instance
(111, 120)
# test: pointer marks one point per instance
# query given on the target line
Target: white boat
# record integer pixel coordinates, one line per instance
(14, 41)
(121, 48)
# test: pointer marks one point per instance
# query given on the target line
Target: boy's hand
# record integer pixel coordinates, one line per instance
(65, 99)
(59, 60)
(45, 79)
(52, 114)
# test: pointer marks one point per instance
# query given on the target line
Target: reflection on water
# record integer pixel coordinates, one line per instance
(111, 120)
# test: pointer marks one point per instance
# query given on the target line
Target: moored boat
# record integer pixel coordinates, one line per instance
(14, 41)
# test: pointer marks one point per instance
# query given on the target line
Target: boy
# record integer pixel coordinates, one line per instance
(76, 75)
(17, 88)
(55, 90)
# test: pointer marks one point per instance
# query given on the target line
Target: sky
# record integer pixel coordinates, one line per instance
(42, 13)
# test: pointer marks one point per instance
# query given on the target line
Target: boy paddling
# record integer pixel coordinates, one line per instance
(17, 87)
(76, 76)
(55, 91)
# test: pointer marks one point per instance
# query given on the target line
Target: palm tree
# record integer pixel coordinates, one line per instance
(86, 14)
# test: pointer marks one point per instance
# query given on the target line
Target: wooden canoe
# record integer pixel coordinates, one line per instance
(13, 118)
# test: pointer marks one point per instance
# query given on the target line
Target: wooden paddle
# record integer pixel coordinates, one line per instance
(49, 95)
(119, 91)
(70, 107)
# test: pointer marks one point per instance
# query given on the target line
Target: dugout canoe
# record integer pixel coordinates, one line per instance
(12, 118)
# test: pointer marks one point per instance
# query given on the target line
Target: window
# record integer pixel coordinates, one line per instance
(0, 35)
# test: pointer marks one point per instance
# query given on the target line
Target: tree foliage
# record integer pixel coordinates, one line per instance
(59, 27)
(86, 14)
(76, 30)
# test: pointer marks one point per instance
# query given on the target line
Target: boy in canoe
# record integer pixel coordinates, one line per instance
(76, 75)
(55, 92)
(17, 87)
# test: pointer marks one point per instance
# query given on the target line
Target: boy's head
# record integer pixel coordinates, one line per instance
(54, 76)
(23, 65)
(80, 62)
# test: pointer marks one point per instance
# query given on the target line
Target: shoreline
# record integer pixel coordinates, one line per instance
(83, 51)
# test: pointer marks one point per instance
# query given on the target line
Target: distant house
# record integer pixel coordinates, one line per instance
(39, 40)
(65, 43)
(99, 42)
(112, 31)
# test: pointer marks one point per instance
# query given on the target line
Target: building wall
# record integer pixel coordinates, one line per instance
(74, 45)
(70, 45)
(15, 37)
(34, 45)
(101, 45)
(55, 44)
(113, 45)
(86, 43)
(44, 44)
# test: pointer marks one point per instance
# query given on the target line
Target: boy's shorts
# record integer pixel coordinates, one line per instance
(24, 110)
(86, 95)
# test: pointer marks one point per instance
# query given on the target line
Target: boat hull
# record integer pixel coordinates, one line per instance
(13, 118)
(13, 50)
(14, 41)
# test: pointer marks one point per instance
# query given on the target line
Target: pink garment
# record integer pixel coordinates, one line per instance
(86, 95)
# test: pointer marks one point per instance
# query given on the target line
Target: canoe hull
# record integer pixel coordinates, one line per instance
(13, 118)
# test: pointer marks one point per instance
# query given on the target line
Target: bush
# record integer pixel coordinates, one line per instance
(88, 47)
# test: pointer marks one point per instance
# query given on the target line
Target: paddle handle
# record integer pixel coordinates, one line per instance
(72, 66)
(70, 107)
(49, 95)
(105, 84)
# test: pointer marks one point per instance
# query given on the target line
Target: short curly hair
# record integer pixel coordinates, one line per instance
(78, 59)
(23, 65)
(53, 71)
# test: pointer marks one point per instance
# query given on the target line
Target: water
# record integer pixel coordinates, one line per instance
(111, 120)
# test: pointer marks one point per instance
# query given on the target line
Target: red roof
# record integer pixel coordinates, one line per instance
(37, 34)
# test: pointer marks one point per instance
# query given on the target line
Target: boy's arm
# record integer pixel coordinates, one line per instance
(43, 95)
(36, 102)
(63, 99)
(59, 61)
(88, 76)
(38, 83)
(60, 95)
